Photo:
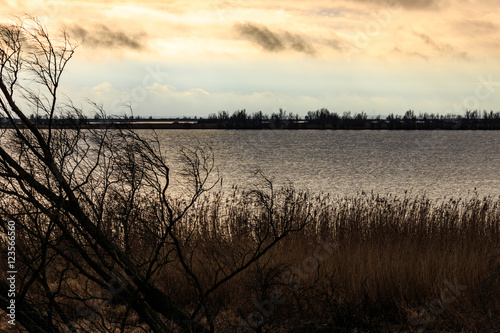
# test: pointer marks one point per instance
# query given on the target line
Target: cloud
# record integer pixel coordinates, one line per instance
(101, 36)
(410, 54)
(103, 87)
(475, 27)
(408, 4)
(260, 35)
(297, 43)
(273, 41)
(335, 43)
(441, 47)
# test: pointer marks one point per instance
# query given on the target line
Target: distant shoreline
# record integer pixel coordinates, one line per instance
(202, 124)
(304, 126)
(369, 125)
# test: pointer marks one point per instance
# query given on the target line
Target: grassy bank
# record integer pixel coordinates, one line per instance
(364, 263)
(368, 263)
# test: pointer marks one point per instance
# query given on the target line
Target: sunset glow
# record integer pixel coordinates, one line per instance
(173, 58)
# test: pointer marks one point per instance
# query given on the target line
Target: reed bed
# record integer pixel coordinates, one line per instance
(387, 263)
(366, 263)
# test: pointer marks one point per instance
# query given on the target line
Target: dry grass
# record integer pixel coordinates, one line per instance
(394, 264)
(365, 263)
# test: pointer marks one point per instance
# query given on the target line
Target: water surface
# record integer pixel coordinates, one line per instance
(437, 164)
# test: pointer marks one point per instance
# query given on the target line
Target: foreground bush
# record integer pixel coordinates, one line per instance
(99, 236)
(365, 263)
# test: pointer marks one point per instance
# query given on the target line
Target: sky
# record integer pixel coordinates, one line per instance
(194, 58)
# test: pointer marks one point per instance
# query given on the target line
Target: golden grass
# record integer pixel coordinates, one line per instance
(364, 263)
(391, 260)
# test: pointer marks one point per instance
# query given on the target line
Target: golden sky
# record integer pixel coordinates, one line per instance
(175, 58)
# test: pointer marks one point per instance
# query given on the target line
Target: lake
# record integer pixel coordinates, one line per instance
(436, 164)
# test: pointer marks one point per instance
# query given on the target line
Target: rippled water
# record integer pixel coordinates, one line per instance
(435, 163)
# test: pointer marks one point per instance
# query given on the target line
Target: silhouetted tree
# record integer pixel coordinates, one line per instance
(99, 231)
(278, 120)
(258, 119)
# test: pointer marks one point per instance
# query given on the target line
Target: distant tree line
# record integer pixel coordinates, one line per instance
(240, 119)
(319, 119)
(325, 119)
